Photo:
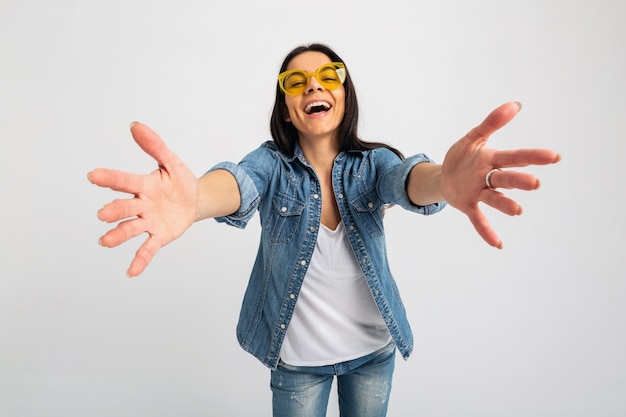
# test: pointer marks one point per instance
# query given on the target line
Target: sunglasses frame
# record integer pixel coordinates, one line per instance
(339, 67)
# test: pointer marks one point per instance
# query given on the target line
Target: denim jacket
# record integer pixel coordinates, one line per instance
(286, 193)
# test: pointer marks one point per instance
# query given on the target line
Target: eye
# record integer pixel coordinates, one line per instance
(329, 75)
(295, 80)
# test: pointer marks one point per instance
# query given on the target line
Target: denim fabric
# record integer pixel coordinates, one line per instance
(363, 387)
(287, 194)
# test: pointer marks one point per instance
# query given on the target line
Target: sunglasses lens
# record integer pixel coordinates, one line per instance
(328, 77)
(295, 82)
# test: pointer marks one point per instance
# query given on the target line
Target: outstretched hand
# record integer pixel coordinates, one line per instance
(468, 161)
(164, 203)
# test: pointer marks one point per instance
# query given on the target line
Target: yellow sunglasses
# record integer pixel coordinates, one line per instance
(295, 81)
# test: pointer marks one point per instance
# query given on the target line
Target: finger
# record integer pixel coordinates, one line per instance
(152, 144)
(122, 232)
(525, 157)
(484, 229)
(116, 180)
(494, 121)
(501, 202)
(120, 209)
(143, 257)
(514, 180)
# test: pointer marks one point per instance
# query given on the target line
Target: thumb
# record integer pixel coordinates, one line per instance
(151, 143)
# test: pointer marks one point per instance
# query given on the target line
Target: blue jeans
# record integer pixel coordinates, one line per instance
(363, 386)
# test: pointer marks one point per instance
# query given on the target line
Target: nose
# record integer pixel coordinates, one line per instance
(314, 85)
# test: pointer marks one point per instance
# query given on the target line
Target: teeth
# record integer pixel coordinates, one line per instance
(317, 104)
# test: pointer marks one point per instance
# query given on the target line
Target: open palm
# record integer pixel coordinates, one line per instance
(468, 161)
(163, 205)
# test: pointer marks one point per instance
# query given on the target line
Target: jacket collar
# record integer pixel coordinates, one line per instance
(298, 154)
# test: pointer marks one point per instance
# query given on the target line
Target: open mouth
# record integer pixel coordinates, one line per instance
(317, 107)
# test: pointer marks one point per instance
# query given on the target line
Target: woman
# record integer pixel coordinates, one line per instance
(321, 301)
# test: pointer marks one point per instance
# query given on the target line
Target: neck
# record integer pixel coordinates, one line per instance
(320, 152)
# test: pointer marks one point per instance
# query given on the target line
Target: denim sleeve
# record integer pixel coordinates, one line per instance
(247, 190)
(253, 174)
(392, 183)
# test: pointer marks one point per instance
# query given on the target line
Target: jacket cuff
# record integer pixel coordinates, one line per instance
(247, 191)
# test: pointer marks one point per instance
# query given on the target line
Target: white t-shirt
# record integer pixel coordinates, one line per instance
(335, 318)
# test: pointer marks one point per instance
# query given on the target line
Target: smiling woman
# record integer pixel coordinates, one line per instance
(321, 302)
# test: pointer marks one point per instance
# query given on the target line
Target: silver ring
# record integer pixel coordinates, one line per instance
(488, 178)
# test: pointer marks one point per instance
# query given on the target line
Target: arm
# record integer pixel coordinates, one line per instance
(218, 195)
(164, 203)
(424, 184)
(460, 181)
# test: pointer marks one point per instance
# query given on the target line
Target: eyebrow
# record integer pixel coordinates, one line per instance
(329, 64)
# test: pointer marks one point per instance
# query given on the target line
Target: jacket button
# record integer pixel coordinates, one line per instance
(282, 326)
(292, 296)
(316, 196)
(370, 205)
(303, 262)
(284, 209)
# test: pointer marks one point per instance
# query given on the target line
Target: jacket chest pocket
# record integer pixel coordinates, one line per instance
(367, 208)
(284, 218)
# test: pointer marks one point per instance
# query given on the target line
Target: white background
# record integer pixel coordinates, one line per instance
(538, 329)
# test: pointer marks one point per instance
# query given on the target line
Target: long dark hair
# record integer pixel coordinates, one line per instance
(285, 134)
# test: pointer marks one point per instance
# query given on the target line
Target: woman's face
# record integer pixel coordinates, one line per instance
(318, 112)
